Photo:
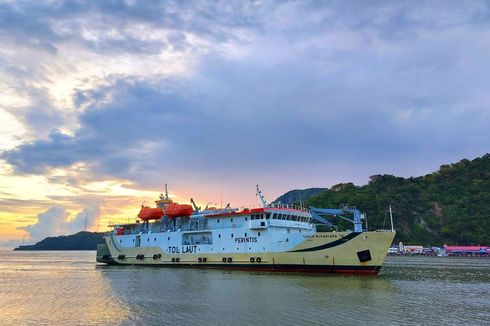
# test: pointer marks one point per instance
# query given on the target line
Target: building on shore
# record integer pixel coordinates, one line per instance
(466, 250)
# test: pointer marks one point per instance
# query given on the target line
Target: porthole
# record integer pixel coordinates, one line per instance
(245, 234)
(219, 236)
(217, 221)
(246, 218)
(231, 220)
(232, 235)
(154, 239)
(168, 238)
(258, 233)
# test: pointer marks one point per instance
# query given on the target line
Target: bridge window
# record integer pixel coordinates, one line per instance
(245, 234)
(232, 220)
(219, 235)
(268, 216)
(258, 234)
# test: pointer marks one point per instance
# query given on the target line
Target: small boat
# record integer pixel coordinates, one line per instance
(178, 210)
(147, 213)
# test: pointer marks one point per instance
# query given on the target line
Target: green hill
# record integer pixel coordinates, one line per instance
(297, 195)
(450, 206)
(79, 241)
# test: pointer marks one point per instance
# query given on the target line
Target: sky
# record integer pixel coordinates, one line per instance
(103, 102)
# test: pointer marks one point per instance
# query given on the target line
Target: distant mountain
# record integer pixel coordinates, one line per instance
(79, 241)
(451, 205)
(297, 195)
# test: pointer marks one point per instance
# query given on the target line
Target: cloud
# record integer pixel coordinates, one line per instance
(295, 93)
(55, 221)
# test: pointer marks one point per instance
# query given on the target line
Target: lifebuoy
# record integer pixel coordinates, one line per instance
(204, 259)
(177, 260)
(229, 259)
(199, 259)
(155, 257)
(252, 260)
(258, 259)
(173, 260)
(223, 260)
(233, 225)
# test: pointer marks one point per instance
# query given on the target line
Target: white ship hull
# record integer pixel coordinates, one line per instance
(322, 252)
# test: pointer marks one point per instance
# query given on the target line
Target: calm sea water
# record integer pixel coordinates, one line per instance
(51, 288)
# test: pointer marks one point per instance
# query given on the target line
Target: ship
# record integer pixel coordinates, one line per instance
(272, 237)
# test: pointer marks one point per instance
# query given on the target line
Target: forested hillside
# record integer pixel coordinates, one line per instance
(450, 206)
(80, 241)
(298, 195)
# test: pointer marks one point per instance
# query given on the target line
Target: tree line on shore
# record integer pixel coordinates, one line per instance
(451, 205)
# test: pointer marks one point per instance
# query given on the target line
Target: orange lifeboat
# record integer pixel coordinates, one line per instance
(147, 213)
(177, 210)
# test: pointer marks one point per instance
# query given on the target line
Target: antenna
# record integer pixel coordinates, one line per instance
(262, 199)
(391, 218)
(300, 202)
(166, 192)
(221, 190)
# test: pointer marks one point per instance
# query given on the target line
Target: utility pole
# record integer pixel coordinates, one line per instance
(391, 219)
